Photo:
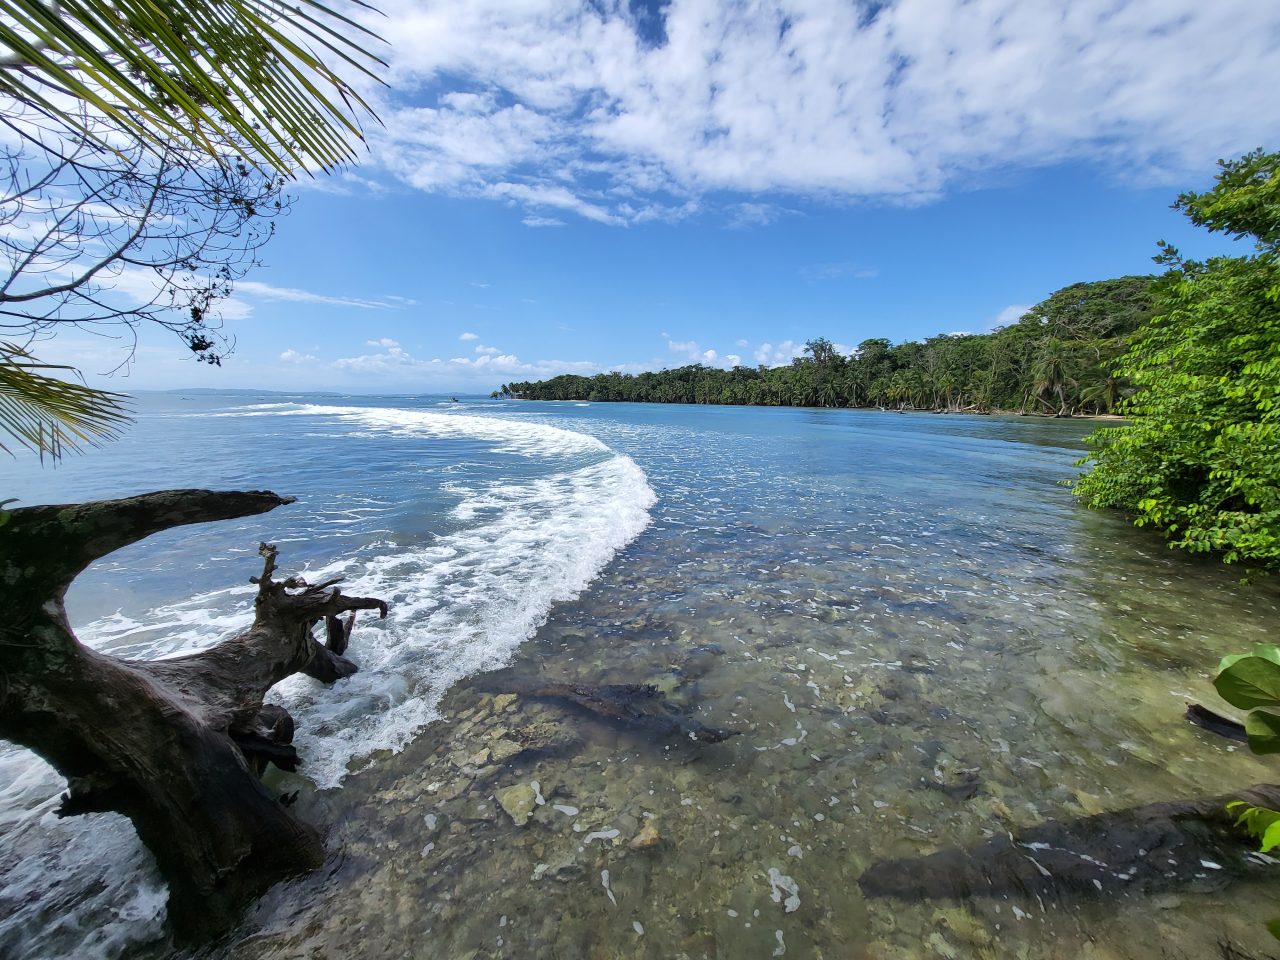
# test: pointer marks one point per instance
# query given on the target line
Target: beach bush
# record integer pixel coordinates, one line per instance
(1199, 458)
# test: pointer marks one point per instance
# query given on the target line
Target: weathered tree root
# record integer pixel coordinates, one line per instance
(175, 745)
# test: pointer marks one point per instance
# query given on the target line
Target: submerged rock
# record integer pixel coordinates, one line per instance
(1152, 848)
(647, 838)
(504, 750)
(519, 801)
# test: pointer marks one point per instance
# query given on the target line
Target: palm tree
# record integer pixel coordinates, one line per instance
(1051, 376)
(202, 70)
(252, 74)
(1106, 392)
(47, 415)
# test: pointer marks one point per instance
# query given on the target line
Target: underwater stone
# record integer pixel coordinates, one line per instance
(504, 750)
(502, 701)
(647, 838)
(963, 926)
(567, 870)
(519, 801)
(455, 789)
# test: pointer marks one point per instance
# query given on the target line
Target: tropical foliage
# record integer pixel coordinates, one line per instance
(144, 152)
(1055, 360)
(1251, 681)
(48, 415)
(1200, 457)
(200, 70)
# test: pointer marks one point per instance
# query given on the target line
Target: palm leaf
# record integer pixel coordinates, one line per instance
(200, 70)
(51, 416)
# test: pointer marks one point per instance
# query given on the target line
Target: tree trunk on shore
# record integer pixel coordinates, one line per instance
(175, 745)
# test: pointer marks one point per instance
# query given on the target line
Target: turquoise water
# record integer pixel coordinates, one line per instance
(884, 605)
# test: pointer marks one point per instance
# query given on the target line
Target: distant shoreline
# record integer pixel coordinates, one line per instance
(790, 406)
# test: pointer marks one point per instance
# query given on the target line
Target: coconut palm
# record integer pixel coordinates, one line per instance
(1052, 378)
(1106, 393)
(204, 70)
(244, 82)
(47, 415)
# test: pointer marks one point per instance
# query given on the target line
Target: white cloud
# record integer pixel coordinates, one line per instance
(690, 351)
(780, 355)
(293, 356)
(265, 291)
(488, 351)
(469, 336)
(395, 366)
(837, 271)
(752, 214)
(570, 106)
(532, 220)
(548, 195)
(1010, 314)
(382, 342)
(741, 343)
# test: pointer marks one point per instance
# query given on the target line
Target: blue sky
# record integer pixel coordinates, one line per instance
(627, 186)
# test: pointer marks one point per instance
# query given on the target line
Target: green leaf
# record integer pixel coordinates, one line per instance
(1227, 661)
(51, 416)
(1250, 682)
(1271, 837)
(1273, 927)
(199, 69)
(1263, 730)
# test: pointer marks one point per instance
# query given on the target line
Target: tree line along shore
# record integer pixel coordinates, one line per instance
(1056, 360)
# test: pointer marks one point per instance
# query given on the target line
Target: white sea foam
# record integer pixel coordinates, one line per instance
(460, 604)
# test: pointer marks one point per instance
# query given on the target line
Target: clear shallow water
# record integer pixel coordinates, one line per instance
(877, 601)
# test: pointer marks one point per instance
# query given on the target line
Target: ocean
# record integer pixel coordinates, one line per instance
(923, 641)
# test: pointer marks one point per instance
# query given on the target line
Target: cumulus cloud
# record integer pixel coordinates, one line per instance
(1010, 314)
(690, 351)
(469, 336)
(779, 355)
(294, 356)
(595, 110)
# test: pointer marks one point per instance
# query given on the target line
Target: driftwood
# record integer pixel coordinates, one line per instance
(1159, 846)
(174, 745)
(640, 706)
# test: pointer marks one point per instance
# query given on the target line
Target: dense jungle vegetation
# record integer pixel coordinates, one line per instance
(1056, 360)
(1200, 457)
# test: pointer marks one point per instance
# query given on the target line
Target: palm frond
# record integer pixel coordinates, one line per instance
(49, 416)
(198, 69)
